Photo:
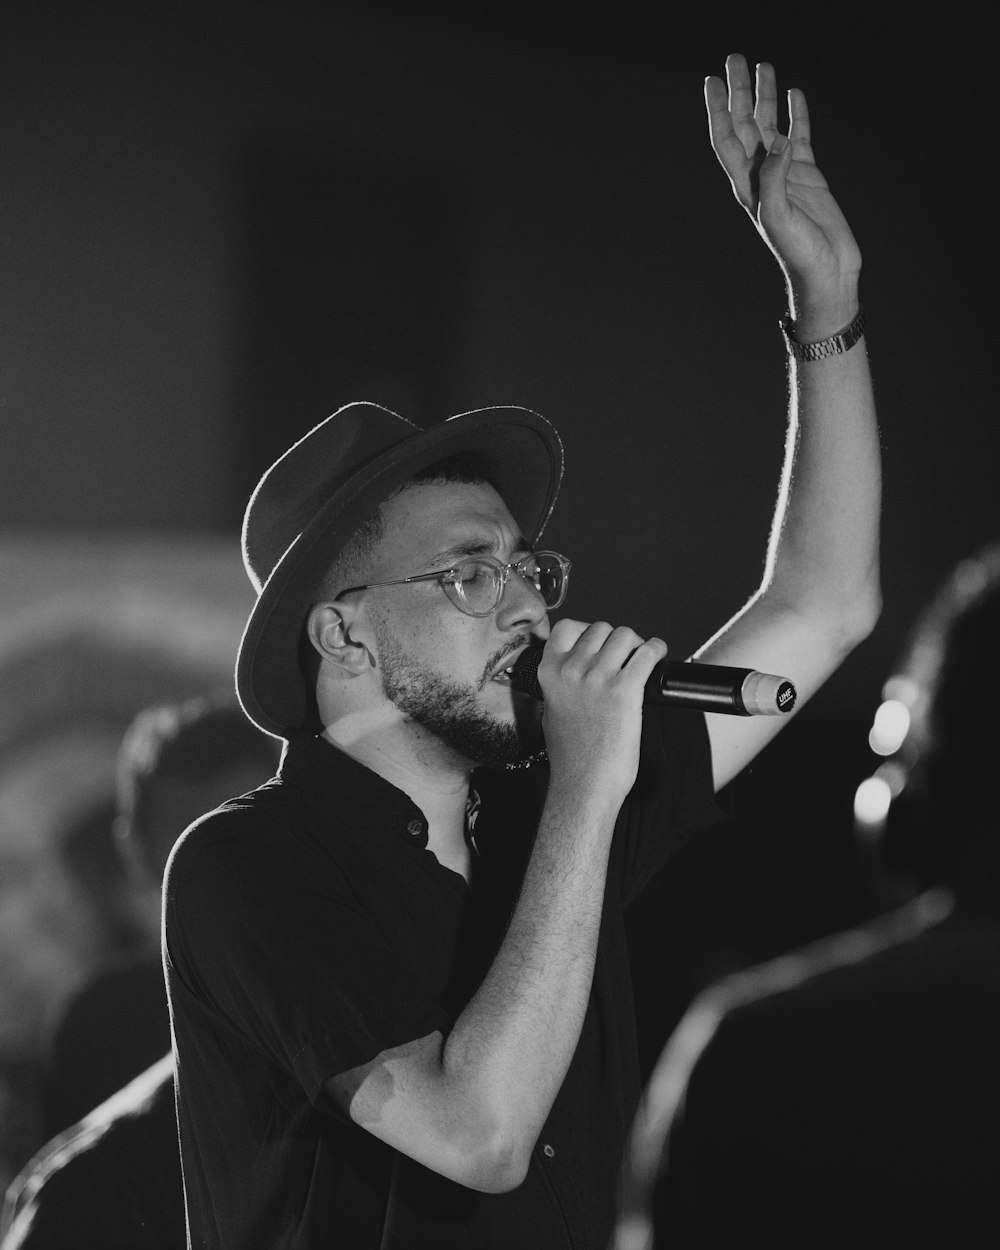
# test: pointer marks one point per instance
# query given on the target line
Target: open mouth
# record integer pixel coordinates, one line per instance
(507, 662)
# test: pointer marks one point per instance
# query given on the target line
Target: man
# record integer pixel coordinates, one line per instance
(400, 1002)
(108, 1177)
(176, 761)
(849, 1093)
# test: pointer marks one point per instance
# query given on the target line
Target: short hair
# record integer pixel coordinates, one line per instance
(352, 563)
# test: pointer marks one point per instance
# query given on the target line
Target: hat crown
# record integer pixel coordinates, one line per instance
(298, 484)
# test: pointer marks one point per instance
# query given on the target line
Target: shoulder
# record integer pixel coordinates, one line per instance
(259, 866)
(780, 1015)
(829, 974)
(239, 834)
(224, 868)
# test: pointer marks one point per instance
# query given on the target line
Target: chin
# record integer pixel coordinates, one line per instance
(503, 699)
(518, 710)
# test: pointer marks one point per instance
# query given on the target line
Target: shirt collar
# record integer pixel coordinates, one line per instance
(364, 800)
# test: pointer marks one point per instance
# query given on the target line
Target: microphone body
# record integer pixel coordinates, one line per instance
(685, 683)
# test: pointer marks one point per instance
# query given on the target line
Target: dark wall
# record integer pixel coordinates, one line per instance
(221, 221)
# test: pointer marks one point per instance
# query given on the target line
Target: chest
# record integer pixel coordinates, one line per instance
(447, 919)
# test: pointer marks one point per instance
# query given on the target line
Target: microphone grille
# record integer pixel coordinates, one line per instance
(525, 672)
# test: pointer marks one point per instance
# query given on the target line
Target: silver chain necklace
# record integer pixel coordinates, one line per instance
(529, 761)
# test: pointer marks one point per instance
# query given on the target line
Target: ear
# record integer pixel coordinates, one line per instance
(328, 628)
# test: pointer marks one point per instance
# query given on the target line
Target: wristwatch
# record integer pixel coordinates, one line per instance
(835, 345)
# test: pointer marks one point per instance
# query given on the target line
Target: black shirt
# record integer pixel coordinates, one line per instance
(308, 928)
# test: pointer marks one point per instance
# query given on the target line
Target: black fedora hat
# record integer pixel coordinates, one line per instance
(312, 499)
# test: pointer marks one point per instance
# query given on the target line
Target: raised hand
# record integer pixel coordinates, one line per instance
(777, 181)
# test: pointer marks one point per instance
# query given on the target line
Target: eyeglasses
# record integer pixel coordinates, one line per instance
(476, 585)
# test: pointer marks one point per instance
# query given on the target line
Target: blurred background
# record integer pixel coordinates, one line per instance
(219, 221)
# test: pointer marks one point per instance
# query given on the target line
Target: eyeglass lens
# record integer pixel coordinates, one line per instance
(547, 576)
(478, 582)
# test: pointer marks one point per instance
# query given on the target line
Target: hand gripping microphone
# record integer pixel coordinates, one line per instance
(684, 683)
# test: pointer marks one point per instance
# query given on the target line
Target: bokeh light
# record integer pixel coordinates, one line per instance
(890, 727)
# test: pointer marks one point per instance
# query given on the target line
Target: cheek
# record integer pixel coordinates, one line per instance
(437, 634)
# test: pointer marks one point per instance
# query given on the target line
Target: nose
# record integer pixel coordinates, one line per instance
(522, 606)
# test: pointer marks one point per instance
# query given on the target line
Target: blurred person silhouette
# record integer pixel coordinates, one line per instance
(112, 1181)
(109, 1174)
(176, 762)
(849, 1092)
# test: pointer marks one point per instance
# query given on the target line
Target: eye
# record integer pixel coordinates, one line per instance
(473, 573)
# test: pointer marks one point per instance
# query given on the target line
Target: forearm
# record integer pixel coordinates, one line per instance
(470, 1105)
(824, 546)
(516, 1037)
(819, 596)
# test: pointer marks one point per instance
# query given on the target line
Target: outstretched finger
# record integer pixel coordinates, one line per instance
(799, 131)
(728, 148)
(766, 109)
(741, 103)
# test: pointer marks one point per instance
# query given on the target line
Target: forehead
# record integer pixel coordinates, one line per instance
(444, 520)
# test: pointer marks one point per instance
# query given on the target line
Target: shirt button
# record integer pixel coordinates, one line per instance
(415, 827)
(548, 1151)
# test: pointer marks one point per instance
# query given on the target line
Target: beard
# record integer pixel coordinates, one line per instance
(449, 709)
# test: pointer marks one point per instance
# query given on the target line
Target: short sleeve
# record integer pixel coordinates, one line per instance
(672, 799)
(277, 947)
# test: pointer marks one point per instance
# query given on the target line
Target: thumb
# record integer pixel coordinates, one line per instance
(779, 154)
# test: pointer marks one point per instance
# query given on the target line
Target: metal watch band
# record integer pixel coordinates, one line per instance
(835, 345)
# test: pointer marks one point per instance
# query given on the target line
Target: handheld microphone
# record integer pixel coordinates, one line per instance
(684, 683)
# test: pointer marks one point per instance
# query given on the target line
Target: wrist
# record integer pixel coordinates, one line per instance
(818, 311)
(836, 344)
(588, 806)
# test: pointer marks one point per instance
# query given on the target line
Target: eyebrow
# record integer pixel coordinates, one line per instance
(462, 551)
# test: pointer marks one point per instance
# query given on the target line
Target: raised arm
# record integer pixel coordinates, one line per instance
(820, 593)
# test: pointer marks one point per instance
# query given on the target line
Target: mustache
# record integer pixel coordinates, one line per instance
(498, 657)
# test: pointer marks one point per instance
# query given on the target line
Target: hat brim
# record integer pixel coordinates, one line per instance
(525, 457)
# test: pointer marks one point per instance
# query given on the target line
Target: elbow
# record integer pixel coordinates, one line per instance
(497, 1167)
(497, 1180)
(509, 1172)
(867, 607)
(847, 621)
(491, 1153)
(862, 618)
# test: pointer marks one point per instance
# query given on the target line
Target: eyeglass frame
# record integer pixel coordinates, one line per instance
(503, 570)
